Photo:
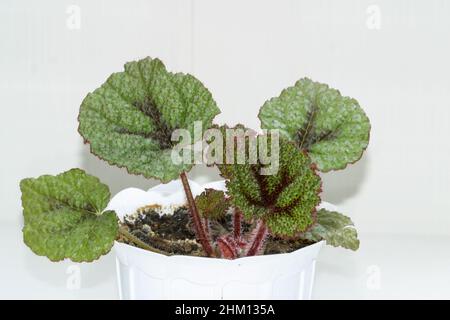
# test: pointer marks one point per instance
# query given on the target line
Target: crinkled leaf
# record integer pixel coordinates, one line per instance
(63, 216)
(335, 228)
(285, 200)
(212, 204)
(332, 128)
(129, 120)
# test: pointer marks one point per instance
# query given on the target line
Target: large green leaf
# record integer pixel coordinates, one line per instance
(285, 200)
(332, 128)
(335, 228)
(129, 120)
(63, 216)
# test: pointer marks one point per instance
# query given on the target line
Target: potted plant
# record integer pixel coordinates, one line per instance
(254, 235)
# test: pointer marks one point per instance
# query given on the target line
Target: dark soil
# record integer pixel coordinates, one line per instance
(170, 234)
(173, 234)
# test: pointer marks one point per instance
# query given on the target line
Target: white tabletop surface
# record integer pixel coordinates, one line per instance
(385, 267)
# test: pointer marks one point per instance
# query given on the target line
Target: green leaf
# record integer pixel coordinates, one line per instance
(332, 128)
(130, 119)
(335, 228)
(63, 216)
(285, 200)
(212, 204)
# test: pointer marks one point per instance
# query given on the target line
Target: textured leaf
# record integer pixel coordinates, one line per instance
(63, 216)
(212, 204)
(332, 128)
(286, 200)
(335, 228)
(129, 120)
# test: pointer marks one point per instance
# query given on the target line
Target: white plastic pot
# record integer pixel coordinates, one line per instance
(146, 275)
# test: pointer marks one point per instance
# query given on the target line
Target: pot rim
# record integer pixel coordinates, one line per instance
(120, 245)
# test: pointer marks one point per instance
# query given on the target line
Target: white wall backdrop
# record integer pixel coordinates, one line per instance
(392, 56)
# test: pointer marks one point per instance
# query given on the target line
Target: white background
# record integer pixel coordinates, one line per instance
(245, 52)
